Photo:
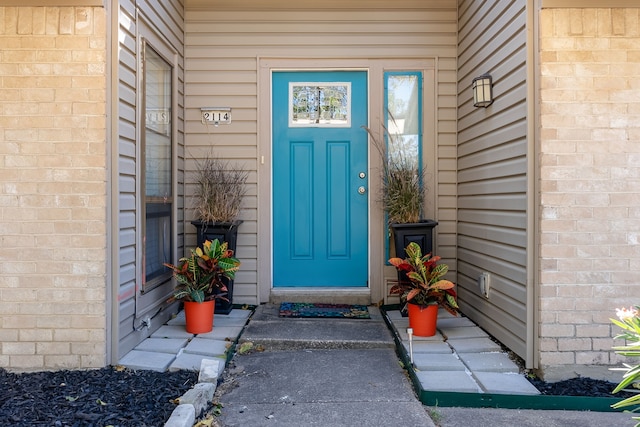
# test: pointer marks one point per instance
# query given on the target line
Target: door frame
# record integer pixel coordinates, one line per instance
(375, 68)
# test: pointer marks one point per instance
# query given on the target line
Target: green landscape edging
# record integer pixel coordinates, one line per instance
(492, 400)
(516, 401)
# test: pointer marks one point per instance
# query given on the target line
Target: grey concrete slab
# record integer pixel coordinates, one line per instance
(452, 322)
(238, 314)
(226, 320)
(207, 347)
(222, 333)
(162, 345)
(437, 362)
(465, 417)
(505, 383)
(324, 375)
(191, 362)
(272, 311)
(318, 414)
(404, 336)
(318, 333)
(458, 332)
(149, 360)
(395, 314)
(428, 347)
(178, 320)
(489, 362)
(174, 331)
(400, 324)
(473, 345)
(321, 387)
(456, 381)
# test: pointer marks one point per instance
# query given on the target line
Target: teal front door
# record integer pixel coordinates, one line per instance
(320, 179)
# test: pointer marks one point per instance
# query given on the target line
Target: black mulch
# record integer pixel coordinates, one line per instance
(587, 387)
(121, 397)
(103, 397)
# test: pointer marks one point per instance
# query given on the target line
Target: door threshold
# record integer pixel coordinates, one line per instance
(360, 296)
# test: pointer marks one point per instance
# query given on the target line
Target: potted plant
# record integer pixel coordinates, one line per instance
(219, 189)
(425, 290)
(199, 282)
(402, 195)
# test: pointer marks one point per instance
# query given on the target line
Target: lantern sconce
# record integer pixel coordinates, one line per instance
(482, 91)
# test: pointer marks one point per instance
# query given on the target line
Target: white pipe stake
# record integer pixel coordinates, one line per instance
(410, 333)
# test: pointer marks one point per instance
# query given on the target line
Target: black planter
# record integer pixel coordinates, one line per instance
(224, 232)
(403, 234)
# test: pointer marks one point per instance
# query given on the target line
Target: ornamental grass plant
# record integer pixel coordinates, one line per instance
(220, 189)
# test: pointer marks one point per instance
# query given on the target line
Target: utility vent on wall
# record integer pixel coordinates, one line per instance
(484, 281)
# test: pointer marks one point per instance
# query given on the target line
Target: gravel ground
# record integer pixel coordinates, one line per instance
(120, 397)
(115, 397)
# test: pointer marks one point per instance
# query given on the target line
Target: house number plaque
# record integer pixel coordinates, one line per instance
(216, 115)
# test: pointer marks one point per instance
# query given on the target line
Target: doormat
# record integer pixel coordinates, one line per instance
(299, 309)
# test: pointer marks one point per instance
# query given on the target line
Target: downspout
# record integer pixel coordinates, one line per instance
(112, 181)
(533, 188)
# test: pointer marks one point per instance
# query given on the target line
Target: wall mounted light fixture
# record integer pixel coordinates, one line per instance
(482, 91)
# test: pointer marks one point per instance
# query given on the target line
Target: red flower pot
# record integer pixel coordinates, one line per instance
(199, 316)
(423, 319)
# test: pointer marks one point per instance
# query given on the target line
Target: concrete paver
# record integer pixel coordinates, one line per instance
(461, 358)
(473, 345)
(171, 331)
(437, 362)
(207, 347)
(173, 341)
(191, 362)
(504, 383)
(149, 360)
(458, 381)
(458, 332)
(229, 333)
(489, 362)
(162, 345)
(428, 347)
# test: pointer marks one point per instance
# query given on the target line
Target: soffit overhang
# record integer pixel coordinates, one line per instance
(228, 5)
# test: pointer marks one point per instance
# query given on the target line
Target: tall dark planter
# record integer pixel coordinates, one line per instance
(224, 232)
(418, 232)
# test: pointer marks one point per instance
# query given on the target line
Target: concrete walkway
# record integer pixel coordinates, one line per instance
(345, 372)
(320, 372)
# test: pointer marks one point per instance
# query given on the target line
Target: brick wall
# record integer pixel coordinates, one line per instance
(590, 182)
(52, 187)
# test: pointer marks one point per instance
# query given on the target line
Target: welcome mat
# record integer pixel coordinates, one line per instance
(299, 309)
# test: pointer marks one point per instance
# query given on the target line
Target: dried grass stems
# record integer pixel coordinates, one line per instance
(220, 189)
(402, 195)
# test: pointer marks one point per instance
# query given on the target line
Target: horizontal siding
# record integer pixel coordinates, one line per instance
(492, 170)
(223, 48)
(126, 178)
(168, 17)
